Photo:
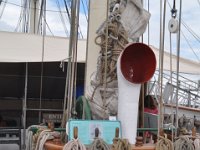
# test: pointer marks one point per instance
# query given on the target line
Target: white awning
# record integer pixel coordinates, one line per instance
(185, 65)
(20, 47)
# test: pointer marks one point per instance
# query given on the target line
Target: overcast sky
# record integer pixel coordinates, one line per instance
(190, 15)
(11, 14)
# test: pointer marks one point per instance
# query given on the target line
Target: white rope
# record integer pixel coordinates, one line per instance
(197, 144)
(183, 143)
(29, 140)
(164, 144)
(43, 137)
(74, 144)
(99, 144)
(112, 38)
(29, 136)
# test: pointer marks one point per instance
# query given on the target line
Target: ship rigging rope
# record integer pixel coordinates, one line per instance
(198, 2)
(44, 136)
(191, 31)
(74, 144)
(112, 38)
(187, 27)
(49, 10)
(183, 143)
(3, 7)
(29, 136)
(161, 61)
(197, 57)
(197, 144)
(83, 4)
(42, 13)
(164, 144)
(171, 96)
(121, 144)
(62, 19)
(99, 144)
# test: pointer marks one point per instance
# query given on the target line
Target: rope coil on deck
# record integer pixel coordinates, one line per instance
(197, 144)
(164, 144)
(74, 144)
(44, 136)
(31, 138)
(99, 144)
(183, 143)
(121, 144)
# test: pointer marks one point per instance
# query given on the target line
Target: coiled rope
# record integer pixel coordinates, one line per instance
(44, 136)
(99, 144)
(74, 144)
(183, 143)
(197, 144)
(121, 144)
(30, 144)
(111, 38)
(164, 144)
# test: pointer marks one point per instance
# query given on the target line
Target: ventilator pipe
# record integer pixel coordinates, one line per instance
(135, 65)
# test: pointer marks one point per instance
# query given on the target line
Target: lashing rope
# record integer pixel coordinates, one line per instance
(74, 144)
(99, 144)
(31, 139)
(44, 136)
(197, 144)
(164, 144)
(183, 143)
(121, 144)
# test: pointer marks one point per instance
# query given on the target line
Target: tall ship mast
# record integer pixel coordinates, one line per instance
(113, 88)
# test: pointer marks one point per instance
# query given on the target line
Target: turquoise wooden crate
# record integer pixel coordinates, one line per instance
(86, 130)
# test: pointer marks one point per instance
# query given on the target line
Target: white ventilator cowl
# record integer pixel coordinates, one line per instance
(135, 65)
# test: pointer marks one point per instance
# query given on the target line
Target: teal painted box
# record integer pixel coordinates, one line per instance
(86, 130)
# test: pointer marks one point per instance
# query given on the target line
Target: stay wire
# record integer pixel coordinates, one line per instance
(80, 32)
(3, 7)
(84, 10)
(42, 63)
(48, 26)
(62, 19)
(191, 31)
(177, 71)
(19, 20)
(171, 96)
(69, 18)
(67, 10)
(48, 10)
(187, 27)
(87, 4)
(198, 2)
(39, 30)
(197, 57)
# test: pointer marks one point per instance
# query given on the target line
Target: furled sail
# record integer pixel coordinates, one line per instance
(127, 20)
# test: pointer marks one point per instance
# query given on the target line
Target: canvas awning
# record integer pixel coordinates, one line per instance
(185, 65)
(20, 47)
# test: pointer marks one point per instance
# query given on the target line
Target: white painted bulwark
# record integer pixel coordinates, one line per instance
(97, 16)
(20, 47)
